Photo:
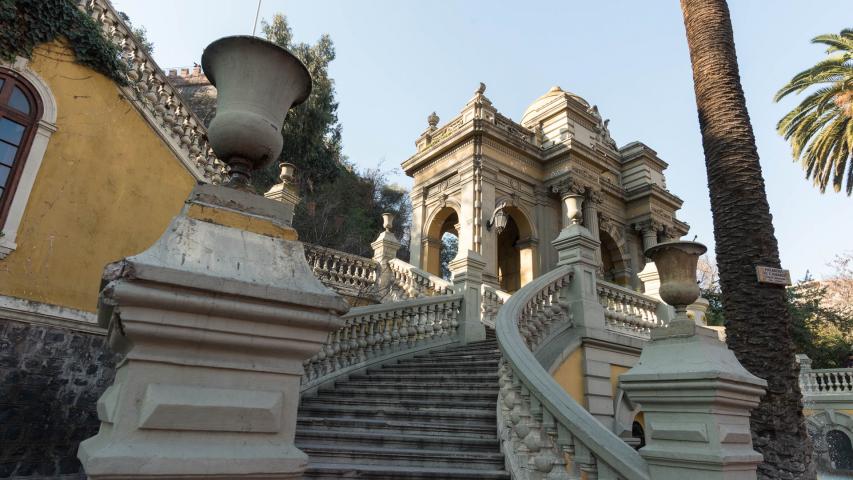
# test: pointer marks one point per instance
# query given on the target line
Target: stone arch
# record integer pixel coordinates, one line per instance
(615, 260)
(820, 426)
(443, 219)
(516, 249)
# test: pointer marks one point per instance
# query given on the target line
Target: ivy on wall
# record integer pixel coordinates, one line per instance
(24, 24)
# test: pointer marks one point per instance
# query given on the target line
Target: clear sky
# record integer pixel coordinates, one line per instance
(399, 60)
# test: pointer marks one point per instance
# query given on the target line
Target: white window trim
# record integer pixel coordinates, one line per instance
(46, 127)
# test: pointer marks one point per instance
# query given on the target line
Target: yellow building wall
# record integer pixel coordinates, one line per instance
(107, 188)
(570, 376)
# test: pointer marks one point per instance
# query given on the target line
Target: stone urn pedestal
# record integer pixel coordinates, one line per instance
(213, 323)
(694, 394)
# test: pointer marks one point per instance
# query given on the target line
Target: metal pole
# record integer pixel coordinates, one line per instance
(257, 12)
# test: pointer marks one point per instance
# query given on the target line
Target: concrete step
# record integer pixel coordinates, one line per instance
(427, 394)
(335, 471)
(436, 369)
(424, 428)
(421, 386)
(446, 415)
(321, 436)
(407, 403)
(489, 355)
(370, 455)
(430, 362)
(416, 378)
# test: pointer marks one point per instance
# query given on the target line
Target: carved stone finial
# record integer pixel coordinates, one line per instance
(432, 120)
(481, 89)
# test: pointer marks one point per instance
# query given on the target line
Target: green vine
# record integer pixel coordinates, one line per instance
(24, 24)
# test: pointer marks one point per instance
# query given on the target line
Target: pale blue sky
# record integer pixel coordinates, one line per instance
(399, 60)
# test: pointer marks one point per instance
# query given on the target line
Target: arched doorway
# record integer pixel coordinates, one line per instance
(515, 251)
(443, 225)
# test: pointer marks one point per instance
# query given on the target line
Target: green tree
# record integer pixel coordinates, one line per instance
(758, 323)
(820, 128)
(312, 133)
(449, 248)
(823, 333)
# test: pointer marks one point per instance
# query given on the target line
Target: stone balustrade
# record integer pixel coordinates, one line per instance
(343, 272)
(151, 93)
(544, 432)
(827, 381)
(375, 334)
(492, 300)
(626, 311)
(412, 282)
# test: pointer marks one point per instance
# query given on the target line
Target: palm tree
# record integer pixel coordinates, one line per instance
(758, 324)
(820, 128)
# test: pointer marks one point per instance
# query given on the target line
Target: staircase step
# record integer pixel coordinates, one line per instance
(436, 369)
(334, 471)
(369, 455)
(427, 394)
(407, 403)
(320, 436)
(425, 385)
(448, 415)
(424, 428)
(427, 376)
(429, 362)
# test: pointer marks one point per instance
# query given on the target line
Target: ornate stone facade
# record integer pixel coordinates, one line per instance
(501, 182)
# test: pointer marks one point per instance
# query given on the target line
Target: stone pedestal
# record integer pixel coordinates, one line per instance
(286, 194)
(577, 247)
(696, 398)
(385, 249)
(467, 269)
(651, 280)
(213, 322)
(698, 310)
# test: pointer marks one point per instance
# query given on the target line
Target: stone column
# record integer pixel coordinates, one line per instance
(649, 274)
(418, 197)
(385, 249)
(590, 218)
(467, 270)
(285, 192)
(213, 323)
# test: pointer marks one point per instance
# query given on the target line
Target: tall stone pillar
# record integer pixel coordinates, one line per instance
(418, 198)
(467, 270)
(590, 218)
(649, 274)
(212, 323)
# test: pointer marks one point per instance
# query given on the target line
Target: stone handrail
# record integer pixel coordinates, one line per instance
(375, 334)
(152, 94)
(415, 283)
(343, 272)
(827, 381)
(626, 311)
(541, 426)
(492, 300)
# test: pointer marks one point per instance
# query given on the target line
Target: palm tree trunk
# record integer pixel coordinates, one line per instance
(758, 324)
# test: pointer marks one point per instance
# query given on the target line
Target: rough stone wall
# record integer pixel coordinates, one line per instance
(50, 381)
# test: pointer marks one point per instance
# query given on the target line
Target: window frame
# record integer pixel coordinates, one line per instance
(31, 124)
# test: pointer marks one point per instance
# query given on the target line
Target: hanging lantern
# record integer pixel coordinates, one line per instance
(499, 219)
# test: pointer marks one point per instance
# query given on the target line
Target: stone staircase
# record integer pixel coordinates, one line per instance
(428, 417)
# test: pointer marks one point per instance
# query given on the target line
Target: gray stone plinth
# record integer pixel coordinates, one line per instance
(213, 323)
(696, 398)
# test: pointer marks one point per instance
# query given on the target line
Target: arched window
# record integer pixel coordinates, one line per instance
(20, 111)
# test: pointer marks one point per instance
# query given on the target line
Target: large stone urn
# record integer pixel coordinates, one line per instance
(676, 263)
(257, 82)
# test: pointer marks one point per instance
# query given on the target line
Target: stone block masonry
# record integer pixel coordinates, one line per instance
(50, 381)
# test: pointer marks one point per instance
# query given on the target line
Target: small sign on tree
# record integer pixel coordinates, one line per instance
(774, 276)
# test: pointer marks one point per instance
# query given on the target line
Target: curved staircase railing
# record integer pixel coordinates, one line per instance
(375, 334)
(543, 430)
(492, 300)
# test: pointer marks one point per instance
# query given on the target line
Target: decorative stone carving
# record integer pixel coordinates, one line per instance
(432, 120)
(568, 186)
